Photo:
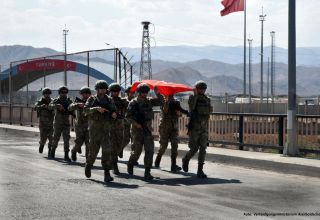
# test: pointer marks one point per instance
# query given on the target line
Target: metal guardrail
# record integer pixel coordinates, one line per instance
(266, 131)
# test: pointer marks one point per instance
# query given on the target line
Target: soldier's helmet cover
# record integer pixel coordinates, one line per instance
(63, 89)
(101, 84)
(114, 87)
(143, 88)
(200, 85)
(46, 91)
(85, 90)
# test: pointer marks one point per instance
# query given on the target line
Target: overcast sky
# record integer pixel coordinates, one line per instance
(92, 23)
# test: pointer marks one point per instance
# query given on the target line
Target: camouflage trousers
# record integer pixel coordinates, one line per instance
(142, 140)
(168, 130)
(63, 129)
(99, 135)
(126, 133)
(46, 132)
(117, 138)
(82, 137)
(198, 140)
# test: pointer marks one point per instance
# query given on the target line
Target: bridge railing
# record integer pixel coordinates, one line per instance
(260, 131)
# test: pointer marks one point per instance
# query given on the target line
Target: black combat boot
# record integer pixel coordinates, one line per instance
(66, 157)
(157, 161)
(147, 175)
(185, 164)
(130, 168)
(174, 166)
(87, 170)
(116, 169)
(200, 173)
(52, 153)
(41, 148)
(107, 176)
(73, 156)
(121, 154)
(49, 152)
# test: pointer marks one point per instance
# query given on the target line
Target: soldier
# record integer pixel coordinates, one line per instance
(45, 116)
(140, 115)
(117, 131)
(200, 109)
(101, 111)
(127, 124)
(171, 110)
(81, 123)
(61, 122)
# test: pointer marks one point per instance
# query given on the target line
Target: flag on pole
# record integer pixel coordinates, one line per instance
(232, 6)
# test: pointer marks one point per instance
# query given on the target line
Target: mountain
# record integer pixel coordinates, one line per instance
(307, 56)
(19, 52)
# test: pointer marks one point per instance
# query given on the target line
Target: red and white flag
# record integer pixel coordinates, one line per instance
(232, 6)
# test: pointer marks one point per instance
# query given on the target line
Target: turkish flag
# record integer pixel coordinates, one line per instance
(165, 88)
(232, 6)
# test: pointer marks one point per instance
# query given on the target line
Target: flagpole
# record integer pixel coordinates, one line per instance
(245, 51)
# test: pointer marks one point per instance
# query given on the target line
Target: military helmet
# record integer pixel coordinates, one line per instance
(143, 88)
(46, 91)
(128, 89)
(200, 85)
(101, 84)
(63, 88)
(114, 87)
(85, 90)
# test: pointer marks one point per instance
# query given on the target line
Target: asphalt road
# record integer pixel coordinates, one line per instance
(33, 187)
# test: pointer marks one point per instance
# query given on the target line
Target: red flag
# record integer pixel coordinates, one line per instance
(232, 6)
(165, 88)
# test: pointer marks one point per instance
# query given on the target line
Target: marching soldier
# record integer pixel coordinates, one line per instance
(140, 115)
(81, 123)
(127, 124)
(61, 122)
(171, 110)
(200, 109)
(101, 111)
(45, 116)
(117, 131)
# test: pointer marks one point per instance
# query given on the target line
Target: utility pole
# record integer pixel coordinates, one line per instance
(250, 69)
(291, 148)
(272, 33)
(268, 80)
(65, 33)
(145, 63)
(245, 51)
(262, 19)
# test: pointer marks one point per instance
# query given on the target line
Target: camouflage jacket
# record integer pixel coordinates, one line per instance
(140, 111)
(81, 119)
(94, 102)
(61, 117)
(44, 114)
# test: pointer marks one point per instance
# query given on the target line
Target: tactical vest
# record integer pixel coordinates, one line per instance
(45, 115)
(104, 102)
(143, 110)
(203, 106)
(121, 107)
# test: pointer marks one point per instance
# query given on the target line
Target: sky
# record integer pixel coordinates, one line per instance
(93, 23)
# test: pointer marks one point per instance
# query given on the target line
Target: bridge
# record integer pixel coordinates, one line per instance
(27, 72)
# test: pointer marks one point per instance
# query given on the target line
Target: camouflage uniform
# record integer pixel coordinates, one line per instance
(127, 127)
(169, 131)
(140, 112)
(200, 109)
(99, 130)
(61, 124)
(81, 127)
(45, 122)
(117, 128)
(127, 124)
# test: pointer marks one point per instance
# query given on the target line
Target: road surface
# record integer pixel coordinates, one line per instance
(33, 187)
